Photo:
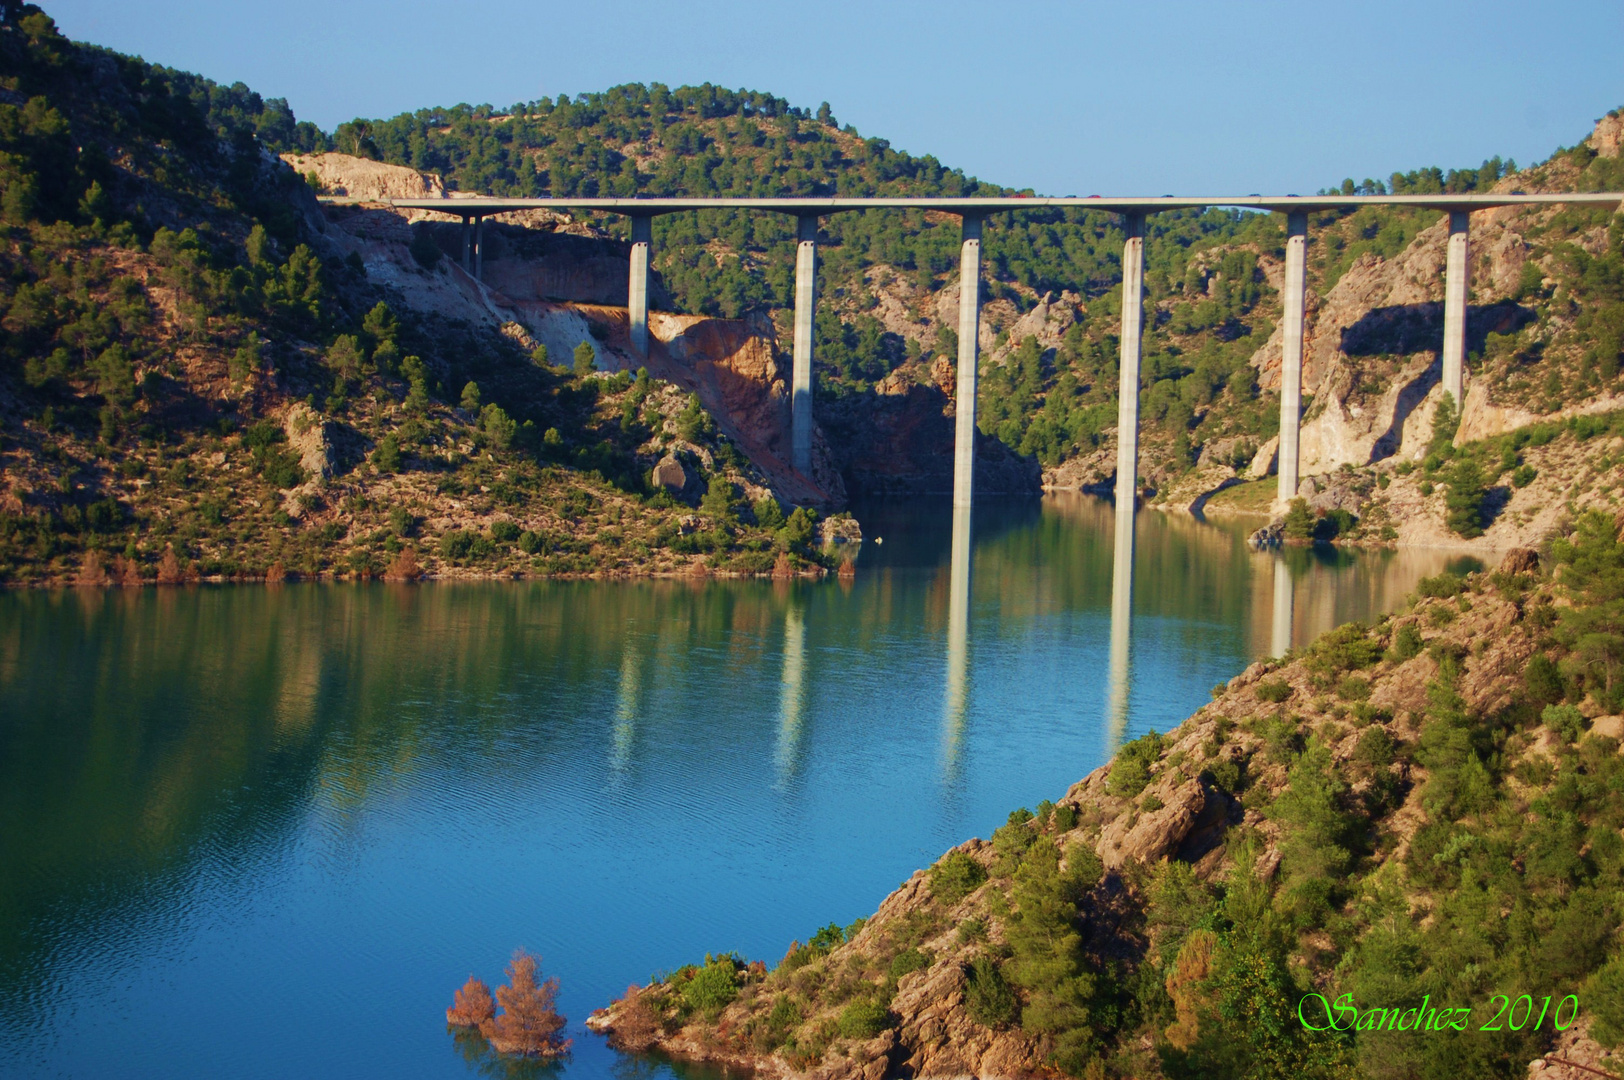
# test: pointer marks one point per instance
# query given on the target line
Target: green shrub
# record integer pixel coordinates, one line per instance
(497, 426)
(1565, 720)
(769, 515)
(1347, 648)
(1375, 749)
(1337, 522)
(456, 544)
(1274, 690)
(1224, 773)
(1299, 523)
(1353, 688)
(1130, 772)
(1441, 586)
(586, 359)
(1604, 996)
(1523, 476)
(771, 1032)
(1543, 680)
(988, 997)
(1592, 577)
(829, 938)
(1065, 817)
(1407, 643)
(907, 961)
(713, 987)
(863, 1019)
(530, 542)
(386, 458)
(1463, 505)
(956, 876)
(504, 531)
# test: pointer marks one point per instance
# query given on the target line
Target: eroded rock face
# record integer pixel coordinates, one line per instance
(363, 178)
(307, 433)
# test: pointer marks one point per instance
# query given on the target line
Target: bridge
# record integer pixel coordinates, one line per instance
(972, 212)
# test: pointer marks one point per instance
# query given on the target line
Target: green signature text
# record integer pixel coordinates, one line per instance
(1514, 1014)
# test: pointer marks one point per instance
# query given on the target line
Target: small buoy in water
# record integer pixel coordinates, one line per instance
(879, 539)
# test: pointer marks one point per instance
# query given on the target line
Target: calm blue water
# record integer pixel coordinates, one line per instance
(266, 832)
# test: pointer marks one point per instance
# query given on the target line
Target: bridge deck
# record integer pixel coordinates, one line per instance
(479, 206)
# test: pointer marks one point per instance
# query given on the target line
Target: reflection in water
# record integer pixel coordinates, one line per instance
(1280, 639)
(958, 634)
(792, 694)
(243, 807)
(1116, 710)
(627, 706)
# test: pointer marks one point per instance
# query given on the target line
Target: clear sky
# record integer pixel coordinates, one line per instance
(1135, 97)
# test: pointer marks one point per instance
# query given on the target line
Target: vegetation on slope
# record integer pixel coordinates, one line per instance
(1206, 272)
(164, 304)
(1424, 810)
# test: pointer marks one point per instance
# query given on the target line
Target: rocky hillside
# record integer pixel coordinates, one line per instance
(1545, 329)
(204, 373)
(1425, 811)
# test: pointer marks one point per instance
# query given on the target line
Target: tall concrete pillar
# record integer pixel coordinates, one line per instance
(1295, 287)
(1117, 672)
(1456, 285)
(964, 404)
(1133, 318)
(806, 295)
(637, 285)
(466, 239)
(479, 248)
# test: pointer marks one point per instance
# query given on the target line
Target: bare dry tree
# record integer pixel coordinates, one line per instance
(472, 1005)
(529, 1023)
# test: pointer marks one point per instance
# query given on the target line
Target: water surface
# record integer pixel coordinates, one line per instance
(265, 832)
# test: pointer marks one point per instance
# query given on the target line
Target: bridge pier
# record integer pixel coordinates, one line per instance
(466, 242)
(1133, 320)
(806, 295)
(479, 248)
(1295, 288)
(1456, 283)
(964, 393)
(637, 284)
(1127, 483)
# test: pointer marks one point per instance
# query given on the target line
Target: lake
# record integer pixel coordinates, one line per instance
(266, 831)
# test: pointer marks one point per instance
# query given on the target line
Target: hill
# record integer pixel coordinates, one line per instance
(1546, 329)
(1418, 814)
(195, 380)
(206, 373)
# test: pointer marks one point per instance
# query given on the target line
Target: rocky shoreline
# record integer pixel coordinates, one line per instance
(904, 993)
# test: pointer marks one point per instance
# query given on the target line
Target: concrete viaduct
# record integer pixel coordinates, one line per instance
(972, 212)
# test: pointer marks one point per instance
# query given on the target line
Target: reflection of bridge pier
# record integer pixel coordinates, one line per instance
(958, 641)
(1284, 608)
(792, 693)
(627, 705)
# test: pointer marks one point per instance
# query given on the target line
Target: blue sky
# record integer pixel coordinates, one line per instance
(1129, 98)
